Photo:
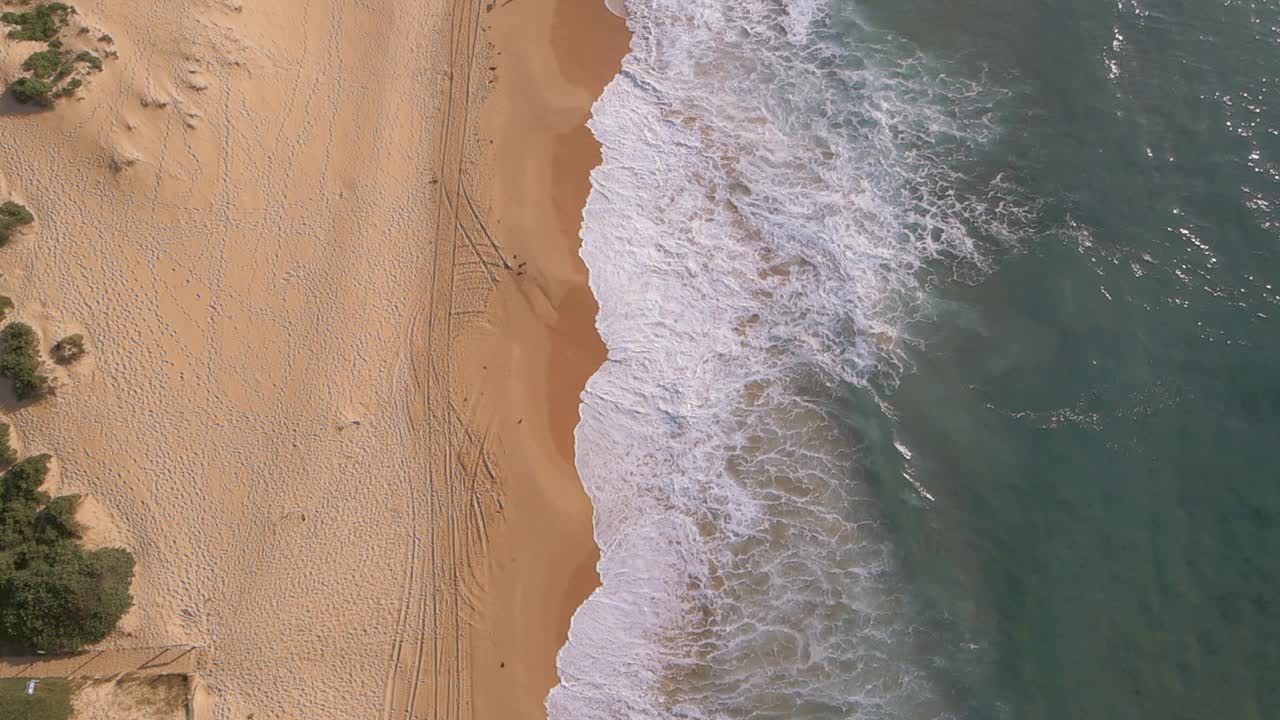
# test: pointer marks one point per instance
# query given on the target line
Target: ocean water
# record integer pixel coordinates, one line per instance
(944, 372)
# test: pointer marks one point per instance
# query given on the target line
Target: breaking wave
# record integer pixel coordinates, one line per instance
(779, 182)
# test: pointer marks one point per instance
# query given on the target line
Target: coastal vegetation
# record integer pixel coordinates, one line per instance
(88, 58)
(12, 217)
(55, 595)
(43, 22)
(69, 349)
(55, 72)
(27, 90)
(20, 360)
(8, 455)
(45, 63)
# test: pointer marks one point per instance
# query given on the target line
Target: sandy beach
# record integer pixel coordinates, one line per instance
(324, 255)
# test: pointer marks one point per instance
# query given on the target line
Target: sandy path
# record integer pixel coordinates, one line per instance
(105, 663)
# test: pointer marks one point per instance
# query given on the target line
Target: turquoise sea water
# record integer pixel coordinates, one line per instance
(944, 373)
(1098, 420)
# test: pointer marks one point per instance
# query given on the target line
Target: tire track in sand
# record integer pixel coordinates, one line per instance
(428, 673)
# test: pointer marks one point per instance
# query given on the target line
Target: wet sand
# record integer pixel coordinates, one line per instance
(553, 59)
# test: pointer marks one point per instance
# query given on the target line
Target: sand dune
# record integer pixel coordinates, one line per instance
(274, 224)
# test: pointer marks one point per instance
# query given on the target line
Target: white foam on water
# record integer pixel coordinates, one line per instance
(758, 235)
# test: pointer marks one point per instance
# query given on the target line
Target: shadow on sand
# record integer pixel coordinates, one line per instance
(10, 106)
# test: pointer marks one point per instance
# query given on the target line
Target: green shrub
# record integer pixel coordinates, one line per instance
(44, 64)
(20, 501)
(27, 90)
(13, 216)
(60, 597)
(22, 481)
(90, 59)
(106, 39)
(49, 69)
(54, 594)
(20, 361)
(69, 89)
(43, 22)
(69, 349)
(8, 455)
(57, 520)
(6, 306)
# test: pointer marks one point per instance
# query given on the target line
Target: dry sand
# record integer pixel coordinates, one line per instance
(325, 404)
(102, 662)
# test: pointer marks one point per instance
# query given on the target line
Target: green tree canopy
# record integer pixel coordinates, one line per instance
(54, 594)
(13, 216)
(20, 360)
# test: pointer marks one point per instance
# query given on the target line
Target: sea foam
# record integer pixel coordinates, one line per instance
(778, 181)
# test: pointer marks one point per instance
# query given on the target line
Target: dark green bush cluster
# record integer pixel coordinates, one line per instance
(43, 22)
(54, 594)
(13, 216)
(20, 360)
(8, 455)
(27, 90)
(54, 72)
(88, 58)
(45, 64)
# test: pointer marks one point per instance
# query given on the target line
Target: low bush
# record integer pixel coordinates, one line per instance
(44, 64)
(6, 306)
(20, 360)
(43, 22)
(13, 216)
(8, 455)
(69, 88)
(55, 73)
(90, 59)
(27, 90)
(69, 349)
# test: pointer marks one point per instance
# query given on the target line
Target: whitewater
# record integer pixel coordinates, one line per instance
(780, 183)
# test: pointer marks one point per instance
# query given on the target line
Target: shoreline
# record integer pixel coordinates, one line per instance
(552, 60)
